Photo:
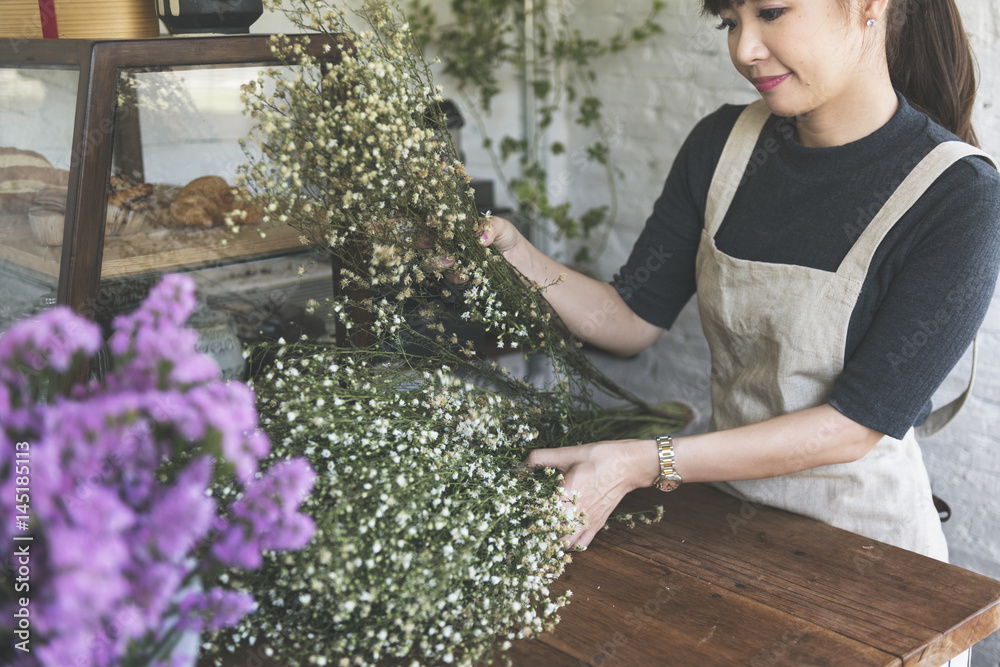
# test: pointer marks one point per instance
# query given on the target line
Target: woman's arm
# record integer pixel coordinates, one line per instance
(601, 473)
(592, 310)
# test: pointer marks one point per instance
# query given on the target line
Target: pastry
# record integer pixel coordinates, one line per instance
(127, 208)
(47, 216)
(203, 203)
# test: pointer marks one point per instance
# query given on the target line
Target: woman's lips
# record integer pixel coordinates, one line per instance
(766, 83)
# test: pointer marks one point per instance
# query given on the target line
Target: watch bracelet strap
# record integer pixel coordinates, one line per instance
(665, 452)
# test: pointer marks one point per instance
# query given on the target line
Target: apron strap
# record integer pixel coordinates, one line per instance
(733, 163)
(855, 265)
(858, 259)
(728, 175)
(941, 417)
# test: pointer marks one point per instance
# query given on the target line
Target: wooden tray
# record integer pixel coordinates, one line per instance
(153, 250)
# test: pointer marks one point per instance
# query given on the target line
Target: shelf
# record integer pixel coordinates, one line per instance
(154, 251)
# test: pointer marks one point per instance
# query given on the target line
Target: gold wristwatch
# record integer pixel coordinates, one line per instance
(668, 479)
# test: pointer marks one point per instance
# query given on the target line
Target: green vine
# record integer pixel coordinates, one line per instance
(558, 62)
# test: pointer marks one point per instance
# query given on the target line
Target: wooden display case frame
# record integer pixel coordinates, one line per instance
(98, 131)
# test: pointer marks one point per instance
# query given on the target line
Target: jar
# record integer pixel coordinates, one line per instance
(217, 338)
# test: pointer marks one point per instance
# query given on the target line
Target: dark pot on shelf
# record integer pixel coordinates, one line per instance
(191, 17)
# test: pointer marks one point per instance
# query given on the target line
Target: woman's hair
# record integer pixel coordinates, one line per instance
(930, 60)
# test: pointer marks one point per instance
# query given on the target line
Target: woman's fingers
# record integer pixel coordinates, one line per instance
(496, 232)
(500, 233)
(594, 477)
(550, 458)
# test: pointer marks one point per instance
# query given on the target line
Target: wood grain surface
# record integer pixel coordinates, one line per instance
(723, 582)
(719, 583)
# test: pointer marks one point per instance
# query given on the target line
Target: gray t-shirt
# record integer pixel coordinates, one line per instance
(929, 284)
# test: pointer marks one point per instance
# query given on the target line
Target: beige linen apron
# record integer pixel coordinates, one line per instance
(777, 334)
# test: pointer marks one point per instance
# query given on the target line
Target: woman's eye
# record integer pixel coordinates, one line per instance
(771, 14)
(726, 24)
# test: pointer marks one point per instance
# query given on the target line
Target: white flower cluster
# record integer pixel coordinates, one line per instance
(432, 543)
(355, 148)
(351, 149)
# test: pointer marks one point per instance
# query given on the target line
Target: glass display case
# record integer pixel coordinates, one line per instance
(117, 161)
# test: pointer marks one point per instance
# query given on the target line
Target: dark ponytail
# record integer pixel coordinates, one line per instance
(931, 62)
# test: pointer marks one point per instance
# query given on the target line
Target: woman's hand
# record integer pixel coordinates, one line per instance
(590, 309)
(497, 232)
(502, 235)
(599, 475)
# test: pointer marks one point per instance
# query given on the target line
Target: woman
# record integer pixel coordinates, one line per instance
(843, 246)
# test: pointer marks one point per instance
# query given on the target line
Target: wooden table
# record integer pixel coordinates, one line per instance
(720, 582)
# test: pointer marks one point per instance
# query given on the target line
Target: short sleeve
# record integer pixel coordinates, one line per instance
(937, 299)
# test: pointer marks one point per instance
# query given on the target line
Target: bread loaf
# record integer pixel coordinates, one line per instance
(22, 174)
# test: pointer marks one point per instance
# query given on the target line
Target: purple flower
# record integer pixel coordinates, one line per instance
(267, 516)
(50, 340)
(154, 585)
(182, 514)
(118, 542)
(216, 608)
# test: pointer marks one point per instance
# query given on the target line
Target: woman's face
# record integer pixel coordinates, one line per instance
(802, 55)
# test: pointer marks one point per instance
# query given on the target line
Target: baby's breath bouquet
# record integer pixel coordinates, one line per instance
(433, 542)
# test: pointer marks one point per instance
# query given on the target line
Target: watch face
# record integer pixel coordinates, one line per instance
(668, 482)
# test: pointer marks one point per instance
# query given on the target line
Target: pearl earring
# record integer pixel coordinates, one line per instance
(871, 23)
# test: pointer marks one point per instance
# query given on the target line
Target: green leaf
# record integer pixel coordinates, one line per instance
(546, 114)
(509, 146)
(590, 111)
(542, 87)
(535, 172)
(557, 148)
(593, 218)
(598, 151)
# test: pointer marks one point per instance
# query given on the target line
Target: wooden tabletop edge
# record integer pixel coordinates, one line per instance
(947, 644)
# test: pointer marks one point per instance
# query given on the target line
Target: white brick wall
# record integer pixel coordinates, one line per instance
(655, 94)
